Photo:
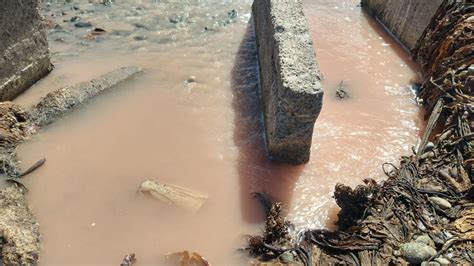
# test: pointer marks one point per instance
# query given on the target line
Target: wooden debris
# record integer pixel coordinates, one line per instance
(187, 258)
(174, 195)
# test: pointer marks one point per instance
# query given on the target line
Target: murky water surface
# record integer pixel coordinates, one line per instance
(202, 132)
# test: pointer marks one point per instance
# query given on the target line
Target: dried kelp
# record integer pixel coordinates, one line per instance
(14, 124)
(424, 210)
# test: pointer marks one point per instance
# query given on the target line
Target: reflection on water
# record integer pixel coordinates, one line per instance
(194, 120)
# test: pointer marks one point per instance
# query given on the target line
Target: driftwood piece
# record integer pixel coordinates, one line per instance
(174, 195)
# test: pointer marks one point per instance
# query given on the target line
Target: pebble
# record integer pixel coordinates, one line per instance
(81, 24)
(429, 146)
(191, 79)
(287, 257)
(429, 154)
(74, 19)
(425, 239)
(430, 263)
(416, 252)
(442, 261)
(442, 203)
(174, 19)
(471, 69)
(139, 37)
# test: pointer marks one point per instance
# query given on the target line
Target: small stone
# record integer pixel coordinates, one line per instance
(471, 69)
(442, 261)
(233, 14)
(430, 263)
(425, 239)
(429, 146)
(139, 37)
(287, 257)
(74, 19)
(429, 154)
(442, 203)
(81, 24)
(416, 252)
(174, 19)
(396, 253)
(191, 79)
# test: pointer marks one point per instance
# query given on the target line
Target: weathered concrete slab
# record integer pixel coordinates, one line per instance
(406, 19)
(24, 55)
(289, 78)
(60, 101)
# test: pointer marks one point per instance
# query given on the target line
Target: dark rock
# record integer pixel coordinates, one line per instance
(341, 92)
(175, 19)
(233, 14)
(416, 252)
(74, 19)
(139, 37)
(82, 24)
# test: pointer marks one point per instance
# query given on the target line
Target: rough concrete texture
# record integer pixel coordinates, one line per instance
(24, 55)
(56, 103)
(289, 78)
(406, 19)
(20, 230)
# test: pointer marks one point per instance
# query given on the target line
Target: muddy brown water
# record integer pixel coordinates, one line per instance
(204, 135)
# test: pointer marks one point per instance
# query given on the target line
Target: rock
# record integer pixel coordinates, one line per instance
(471, 69)
(442, 203)
(416, 252)
(426, 155)
(430, 263)
(287, 257)
(175, 19)
(341, 92)
(139, 37)
(425, 239)
(442, 261)
(233, 14)
(74, 19)
(83, 24)
(191, 79)
(429, 146)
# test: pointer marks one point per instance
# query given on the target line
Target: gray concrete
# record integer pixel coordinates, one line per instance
(24, 56)
(406, 19)
(289, 78)
(60, 101)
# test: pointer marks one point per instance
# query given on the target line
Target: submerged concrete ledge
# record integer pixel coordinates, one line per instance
(289, 78)
(24, 54)
(406, 19)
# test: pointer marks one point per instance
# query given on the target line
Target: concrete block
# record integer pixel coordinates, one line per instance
(406, 19)
(289, 78)
(24, 55)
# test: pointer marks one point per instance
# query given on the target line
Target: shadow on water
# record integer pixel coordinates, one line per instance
(256, 172)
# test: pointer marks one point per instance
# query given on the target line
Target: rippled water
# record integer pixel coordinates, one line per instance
(205, 135)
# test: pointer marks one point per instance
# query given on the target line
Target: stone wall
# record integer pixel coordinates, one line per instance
(289, 78)
(24, 56)
(406, 19)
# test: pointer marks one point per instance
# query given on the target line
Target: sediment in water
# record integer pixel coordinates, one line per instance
(424, 210)
(19, 230)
